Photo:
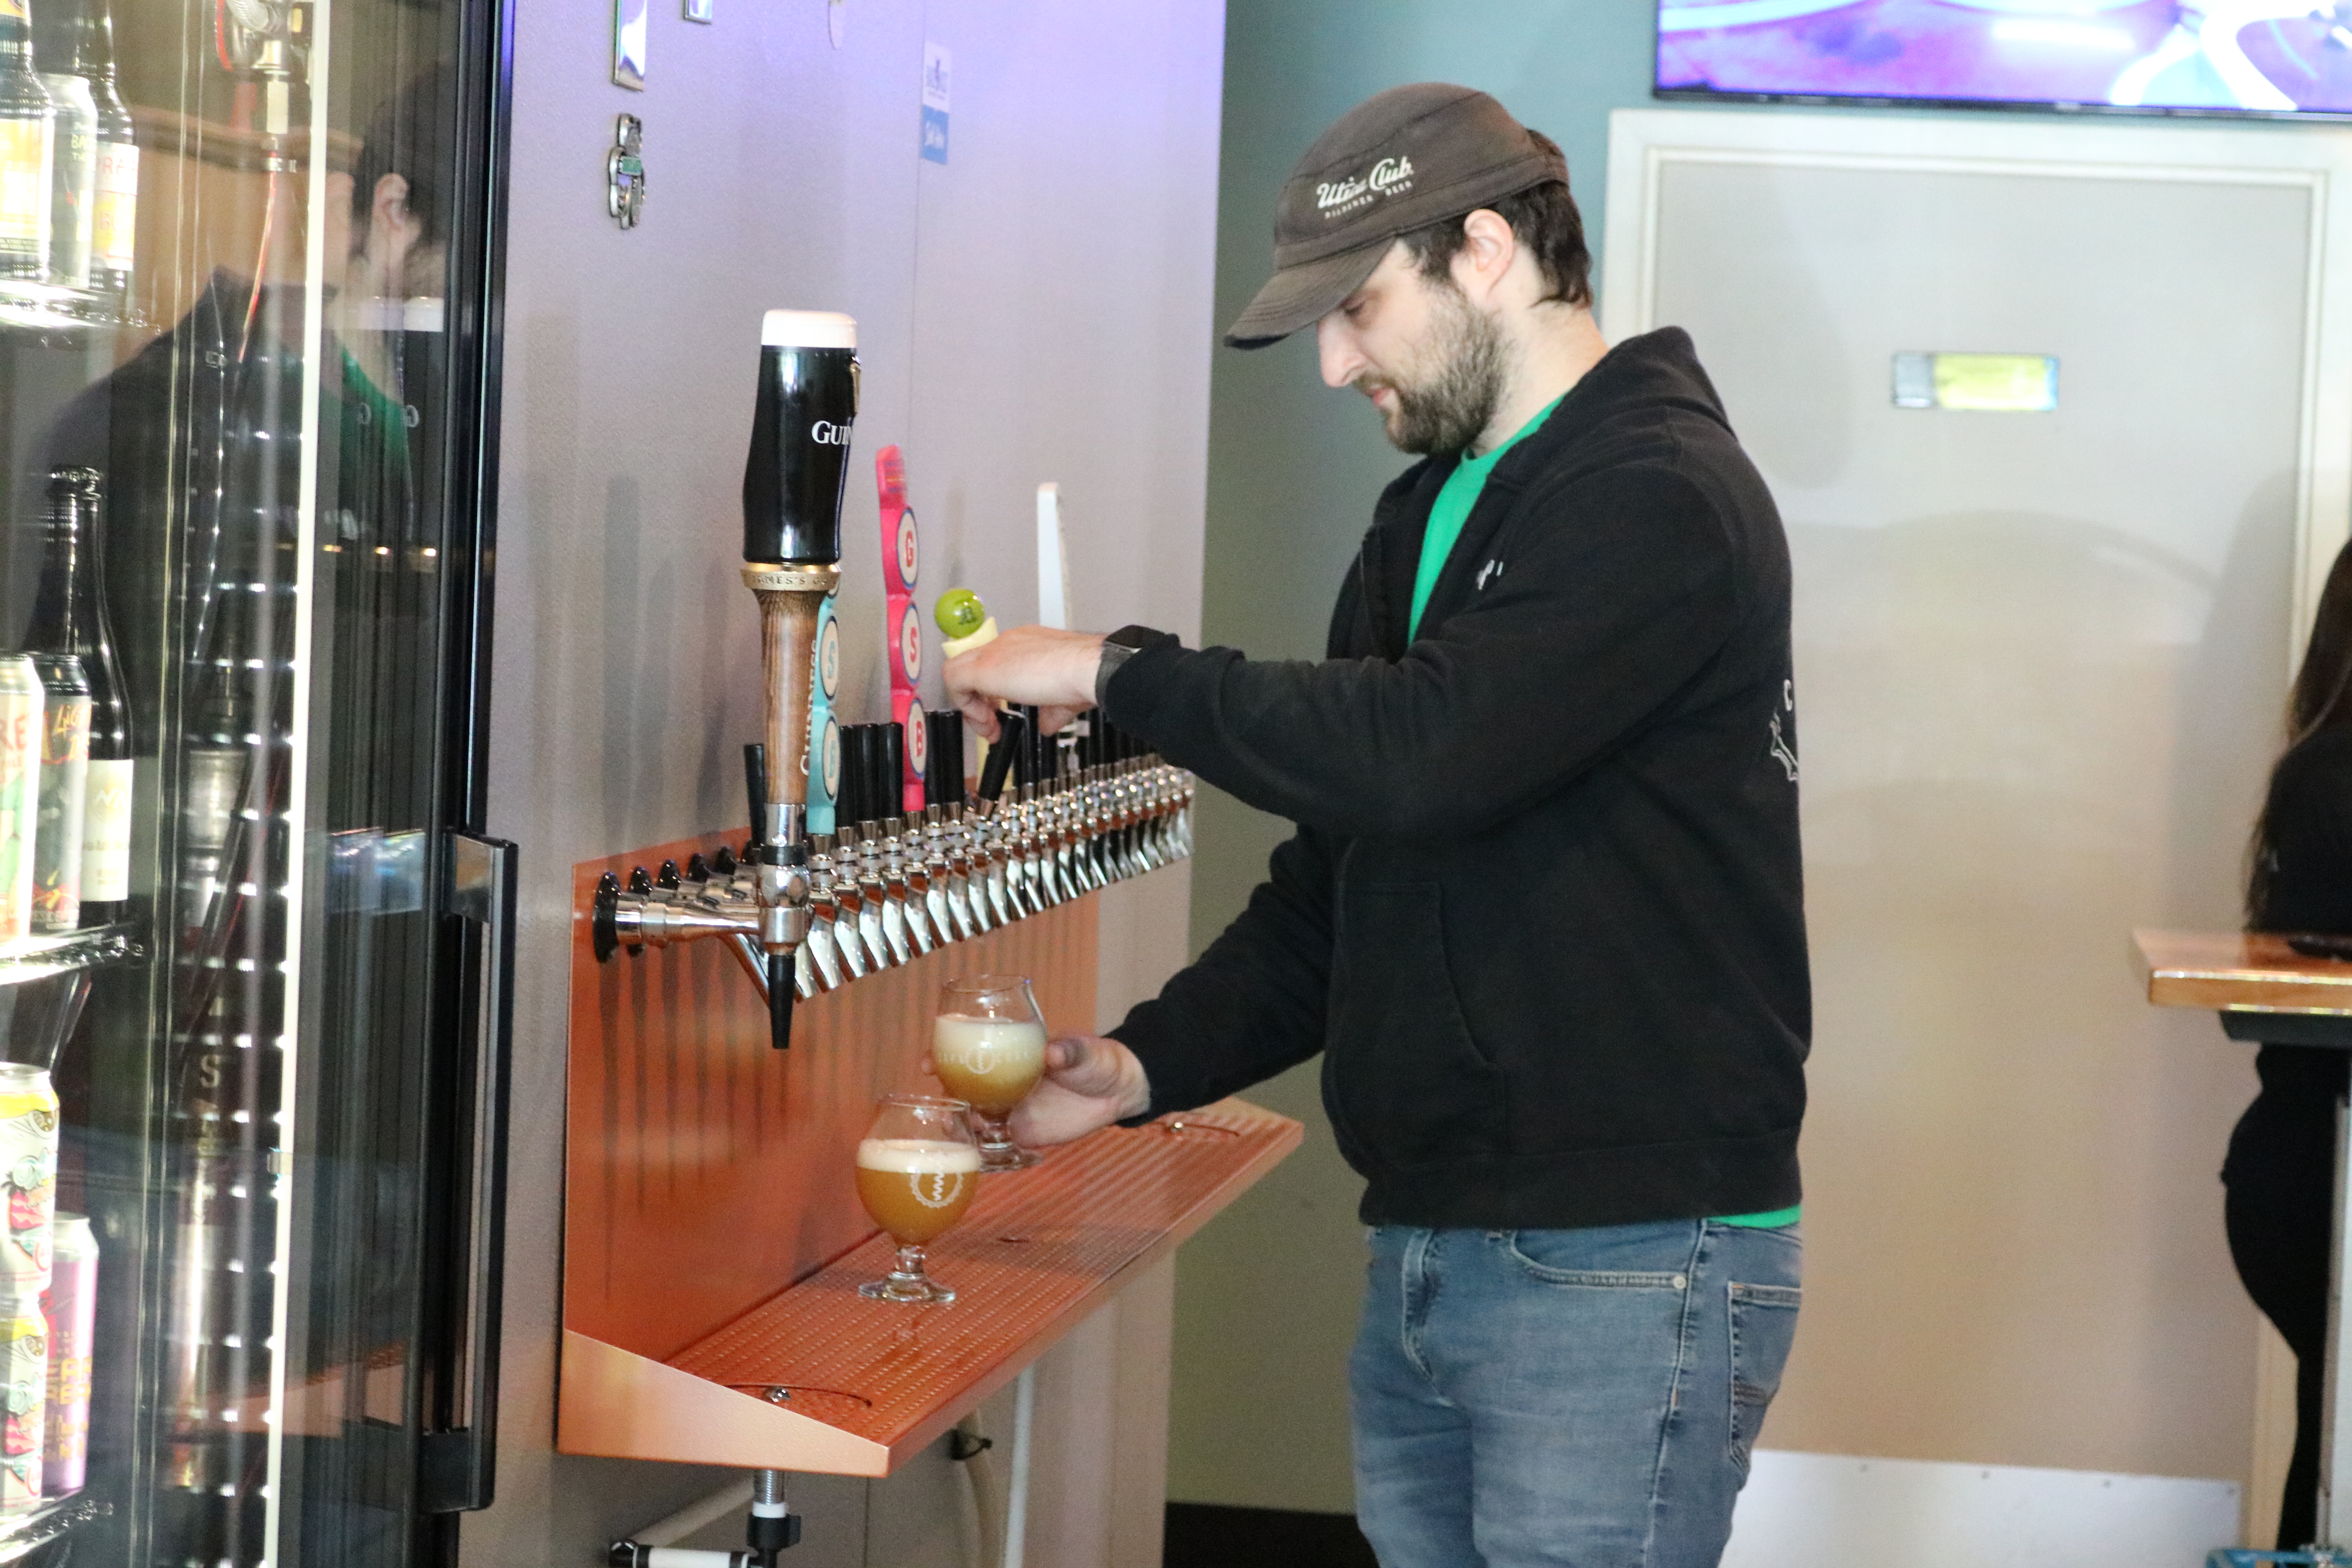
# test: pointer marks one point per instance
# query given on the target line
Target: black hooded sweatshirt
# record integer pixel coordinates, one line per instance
(1544, 913)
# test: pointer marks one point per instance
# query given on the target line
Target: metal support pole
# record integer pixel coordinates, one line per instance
(2334, 1435)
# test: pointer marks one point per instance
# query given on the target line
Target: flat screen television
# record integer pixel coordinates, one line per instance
(2290, 58)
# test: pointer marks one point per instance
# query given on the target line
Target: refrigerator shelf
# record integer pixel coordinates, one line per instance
(23, 1533)
(713, 1239)
(40, 957)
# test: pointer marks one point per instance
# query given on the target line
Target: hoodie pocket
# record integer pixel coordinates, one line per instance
(1405, 1076)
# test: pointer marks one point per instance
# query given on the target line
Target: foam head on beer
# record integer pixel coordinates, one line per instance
(799, 463)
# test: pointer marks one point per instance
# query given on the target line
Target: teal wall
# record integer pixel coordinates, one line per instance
(1266, 1297)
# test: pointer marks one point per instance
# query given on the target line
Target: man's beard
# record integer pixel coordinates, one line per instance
(1450, 405)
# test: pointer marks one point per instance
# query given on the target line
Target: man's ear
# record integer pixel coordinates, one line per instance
(1487, 250)
(388, 213)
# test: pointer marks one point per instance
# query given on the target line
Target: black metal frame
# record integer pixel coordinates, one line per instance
(456, 1447)
(2046, 107)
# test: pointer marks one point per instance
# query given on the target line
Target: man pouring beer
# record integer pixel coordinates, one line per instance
(1543, 913)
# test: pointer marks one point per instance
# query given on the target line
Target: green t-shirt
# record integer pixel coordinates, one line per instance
(1446, 516)
(1452, 509)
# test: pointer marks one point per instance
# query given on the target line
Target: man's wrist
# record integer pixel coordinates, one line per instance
(1134, 1084)
(1116, 649)
(1139, 1092)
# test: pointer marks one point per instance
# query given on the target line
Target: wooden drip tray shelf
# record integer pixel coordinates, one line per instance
(713, 1242)
(820, 1379)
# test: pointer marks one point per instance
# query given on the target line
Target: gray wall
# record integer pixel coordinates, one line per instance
(1037, 309)
(1266, 1297)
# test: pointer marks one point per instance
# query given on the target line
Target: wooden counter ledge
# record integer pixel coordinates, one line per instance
(2239, 971)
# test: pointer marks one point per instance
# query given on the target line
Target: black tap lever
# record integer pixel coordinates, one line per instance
(1011, 735)
(755, 785)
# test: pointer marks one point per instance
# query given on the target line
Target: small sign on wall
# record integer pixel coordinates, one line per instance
(1982, 384)
(936, 67)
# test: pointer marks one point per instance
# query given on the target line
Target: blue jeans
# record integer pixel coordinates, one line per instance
(1566, 1396)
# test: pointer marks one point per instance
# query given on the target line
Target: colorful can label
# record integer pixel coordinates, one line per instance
(57, 819)
(70, 1307)
(25, 185)
(20, 778)
(106, 834)
(24, 1395)
(114, 221)
(29, 1171)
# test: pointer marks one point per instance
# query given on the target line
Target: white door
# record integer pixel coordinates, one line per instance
(2040, 658)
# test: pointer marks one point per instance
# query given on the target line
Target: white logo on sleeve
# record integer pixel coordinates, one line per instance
(1781, 749)
(1488, 572)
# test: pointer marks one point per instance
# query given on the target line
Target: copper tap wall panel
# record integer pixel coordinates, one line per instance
(713, 1239)
(704, 1169)
(2239, 969)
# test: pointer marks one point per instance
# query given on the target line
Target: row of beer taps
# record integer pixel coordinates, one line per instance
(897, 879)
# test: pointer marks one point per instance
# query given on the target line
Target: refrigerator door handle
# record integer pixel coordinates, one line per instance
(458, 1467)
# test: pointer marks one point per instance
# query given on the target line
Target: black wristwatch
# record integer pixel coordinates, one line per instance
(1116, 649)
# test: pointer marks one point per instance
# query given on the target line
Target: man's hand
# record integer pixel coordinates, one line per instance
(1053, 670)
(1089, 1082)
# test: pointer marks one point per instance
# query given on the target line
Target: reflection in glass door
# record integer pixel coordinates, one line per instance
(244, 355)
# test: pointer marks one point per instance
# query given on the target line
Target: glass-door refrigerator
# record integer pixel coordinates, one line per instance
(253, 956)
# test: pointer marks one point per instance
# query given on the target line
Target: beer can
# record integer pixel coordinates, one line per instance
(70, 1307)
(20, 784)
(29, 1171)
(24, 1394)
(62, 793)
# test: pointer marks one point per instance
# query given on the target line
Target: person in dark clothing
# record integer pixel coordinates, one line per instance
(2281, 1168)
(1543, 915)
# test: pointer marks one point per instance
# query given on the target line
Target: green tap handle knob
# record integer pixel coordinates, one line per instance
(960, 612)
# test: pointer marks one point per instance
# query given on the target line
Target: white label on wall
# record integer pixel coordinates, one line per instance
(937, 65)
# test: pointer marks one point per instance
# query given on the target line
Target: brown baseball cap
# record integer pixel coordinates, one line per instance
(1397, 162)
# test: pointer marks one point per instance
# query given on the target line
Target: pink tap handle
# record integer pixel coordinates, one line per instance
(901, 568)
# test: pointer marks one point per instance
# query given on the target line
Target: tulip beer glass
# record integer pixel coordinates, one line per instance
(988, 1046)
(917, 1169)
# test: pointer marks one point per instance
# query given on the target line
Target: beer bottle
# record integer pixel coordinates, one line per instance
(114, 192)
(28, 122)
(70, 618)
(73, 177)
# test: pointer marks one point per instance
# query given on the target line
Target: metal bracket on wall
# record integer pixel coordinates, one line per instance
(625, 172)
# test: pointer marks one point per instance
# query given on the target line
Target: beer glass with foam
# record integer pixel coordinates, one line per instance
(917, 1169)
(988, 1047)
